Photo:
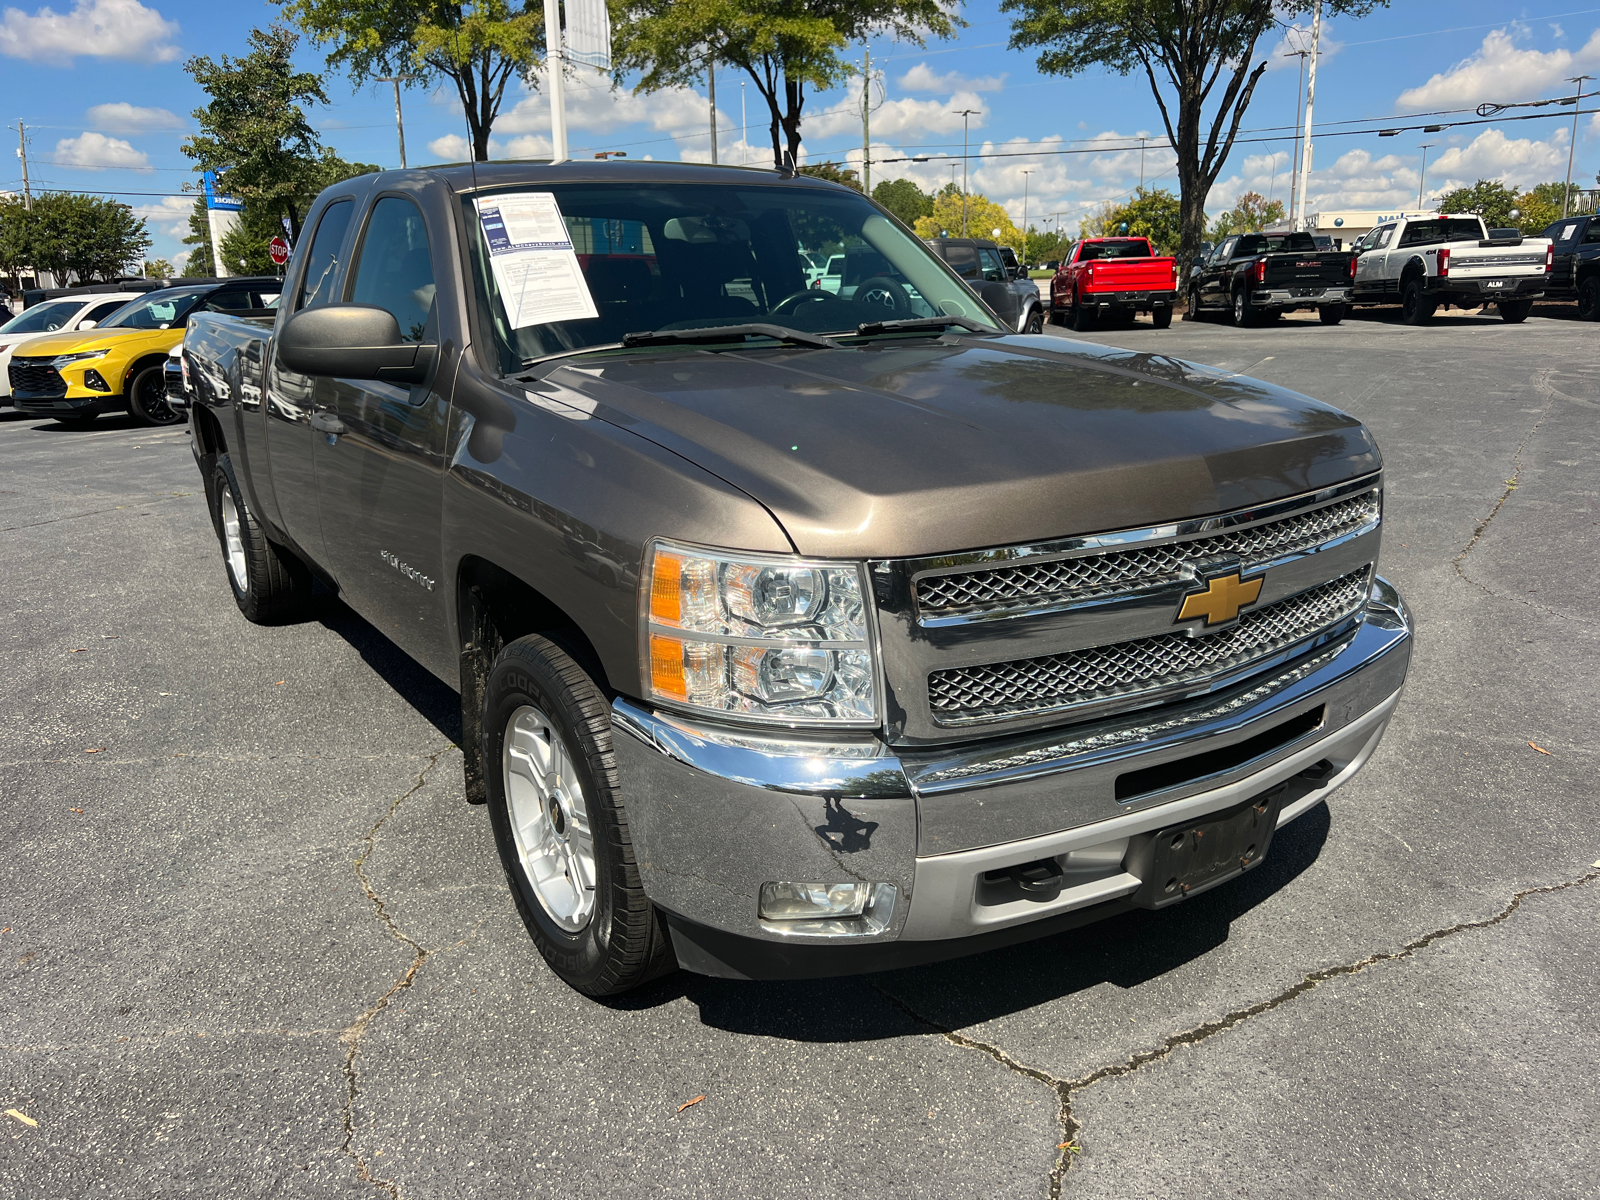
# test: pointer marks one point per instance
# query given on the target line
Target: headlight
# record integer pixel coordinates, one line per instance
(62, 360)
(764, 638)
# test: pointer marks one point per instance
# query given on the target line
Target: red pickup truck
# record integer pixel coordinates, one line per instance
(1113, 278)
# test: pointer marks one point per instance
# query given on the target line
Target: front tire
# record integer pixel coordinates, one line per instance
(1191, 310)
(1589, 298)
(1515, 312)
(1331, 314)
(560, 825)
(1415, 308)
(147, 398)
(270, 584)
(1035, 322)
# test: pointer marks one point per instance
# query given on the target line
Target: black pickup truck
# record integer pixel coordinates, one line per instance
(1575, 271)
(795, 637)
(1257, 276)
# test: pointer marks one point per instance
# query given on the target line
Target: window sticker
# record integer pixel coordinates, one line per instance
(535, 267)
(1566, 232)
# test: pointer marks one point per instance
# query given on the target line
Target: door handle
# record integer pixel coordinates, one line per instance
(327, 423)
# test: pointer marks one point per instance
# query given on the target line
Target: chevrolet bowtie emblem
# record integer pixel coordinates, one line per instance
(1222, 599)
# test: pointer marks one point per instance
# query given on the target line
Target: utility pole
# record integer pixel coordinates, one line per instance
(965, 114)
(1311, 99)
(554, 60)
(1299, 99)
(1025, 175)
(1422, 178)
(866, 124)
(399, 121)
(711, 83)
(744, 125)
(1566, 192)
(22, 153)
(1141, 163)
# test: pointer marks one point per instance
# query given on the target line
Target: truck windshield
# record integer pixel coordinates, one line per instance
(664, 257)
(158, 310)
(43, 318)
(1445, 229)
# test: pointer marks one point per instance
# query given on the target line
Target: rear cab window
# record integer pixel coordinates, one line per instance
(1444, 229)
(394, 267)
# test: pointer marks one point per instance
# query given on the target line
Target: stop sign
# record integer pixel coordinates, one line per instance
(279, 249)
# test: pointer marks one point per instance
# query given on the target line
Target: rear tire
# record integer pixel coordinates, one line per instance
(270, 584)
(1244, 313)
(147, 397)
(1589, 298)
(1331, 314)
(1083, 320)
(1415, 308)
(1515, 312)
(1161, 318)
(560, 825)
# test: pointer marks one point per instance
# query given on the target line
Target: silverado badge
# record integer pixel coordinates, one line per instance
(1222, 599)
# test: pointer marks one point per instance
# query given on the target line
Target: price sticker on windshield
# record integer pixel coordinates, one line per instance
(535, 266)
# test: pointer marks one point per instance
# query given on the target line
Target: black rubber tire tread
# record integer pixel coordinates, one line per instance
(1161, 318)
(1241, 312)
(1515, 312)
(1035, 322)
(1415, 308)
(1589, 298)
(1191, 310)
(280, 585)
(1331, 314)
(157, 413)
(626, 942)
(1082, 319)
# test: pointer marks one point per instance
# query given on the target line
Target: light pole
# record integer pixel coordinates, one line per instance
(399, 121)
(1299, 97)
(1025, 175)
(1422, 178)
(744, 125)
(965, 114)
(1566, 193)
(1311, 99)
(711, 85)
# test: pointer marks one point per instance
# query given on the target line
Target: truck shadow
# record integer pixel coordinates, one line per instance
(1124, 951)
(432, 700)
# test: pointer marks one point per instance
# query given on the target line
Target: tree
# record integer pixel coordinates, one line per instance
(1251, 213)
(254, 133)
(1491, 200)
(904, 199)
(983, 216)
(1183, 47)
(75, 237)
(1051, 246)
(833, 173)
(1153, 213)
(16, 236)
(784, 46)
(200, 260)
(1541, 206)
(479, 47)
(158, 268)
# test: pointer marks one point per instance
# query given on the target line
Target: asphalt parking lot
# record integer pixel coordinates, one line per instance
(253, 942)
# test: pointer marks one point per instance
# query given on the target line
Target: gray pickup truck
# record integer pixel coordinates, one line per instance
(795, 635)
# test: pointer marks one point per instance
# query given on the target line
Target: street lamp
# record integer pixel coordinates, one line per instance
(607, 154)
(1566, 193)
(965, 114)
(1025, 175)
(399, 122)
(1422, 177)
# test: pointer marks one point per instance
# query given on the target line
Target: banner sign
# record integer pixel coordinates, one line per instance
(216, 201)
(589, 33)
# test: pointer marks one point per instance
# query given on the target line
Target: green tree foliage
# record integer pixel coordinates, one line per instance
(479, 47)
(1491, 200)
(783, 46)
(833, 173)
(1185, 49)
(904, 199)
(158, 268)
(244, 247)
(73, 236)
(1541, 205)
(200, 261)
(1251, 213)
(1153, 213)
(984, 216)
(254, 133)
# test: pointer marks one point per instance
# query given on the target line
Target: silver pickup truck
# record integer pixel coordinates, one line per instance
(795, 635)
(1423, 263)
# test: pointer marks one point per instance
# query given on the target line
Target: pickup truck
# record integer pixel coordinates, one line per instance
(1447, 259)
(1259, 276)
(1575, 263)
(794, 638)
(1113, 279)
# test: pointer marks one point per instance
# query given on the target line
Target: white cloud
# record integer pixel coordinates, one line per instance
(94, 28)
(529, 145)
(895, 116)
(922, 78)
(131, 118)
(170, 215)
(1500, 72)
(1285, 55)
(95, 152)
(452, 147)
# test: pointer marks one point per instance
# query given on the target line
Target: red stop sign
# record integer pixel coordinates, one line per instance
(279, 249)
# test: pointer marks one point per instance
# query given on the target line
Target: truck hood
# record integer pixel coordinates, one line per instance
(909, 448)
(90, 339)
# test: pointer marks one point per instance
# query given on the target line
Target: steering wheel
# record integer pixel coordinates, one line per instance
(795, 299)
(884, 292)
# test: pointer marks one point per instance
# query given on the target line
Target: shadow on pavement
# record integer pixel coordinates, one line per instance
(1123, 951)
(435, 702)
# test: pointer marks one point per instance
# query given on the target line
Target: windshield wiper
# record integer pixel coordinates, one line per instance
(707, 334)
(867, 328)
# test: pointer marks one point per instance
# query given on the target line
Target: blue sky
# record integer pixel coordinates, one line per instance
(101, 87)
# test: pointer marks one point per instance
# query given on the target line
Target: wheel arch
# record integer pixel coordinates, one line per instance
(139, 364)
(1414, 268)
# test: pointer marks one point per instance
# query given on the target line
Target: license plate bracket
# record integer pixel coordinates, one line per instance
(1186, 859)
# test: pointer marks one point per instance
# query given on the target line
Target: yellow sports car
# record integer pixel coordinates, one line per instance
(117, 366)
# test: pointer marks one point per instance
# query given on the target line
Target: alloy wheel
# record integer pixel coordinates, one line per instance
(549, 818)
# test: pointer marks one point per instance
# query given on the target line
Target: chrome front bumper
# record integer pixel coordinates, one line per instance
(716, 812)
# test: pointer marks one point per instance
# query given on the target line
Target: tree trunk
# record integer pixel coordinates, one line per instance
(294, 222)
(794, 94)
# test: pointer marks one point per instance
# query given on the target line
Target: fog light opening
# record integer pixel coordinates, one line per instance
(852, 909)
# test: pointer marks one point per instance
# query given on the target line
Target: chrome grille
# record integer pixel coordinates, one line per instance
(36, 377)
(1116, 571)
(1126, 669)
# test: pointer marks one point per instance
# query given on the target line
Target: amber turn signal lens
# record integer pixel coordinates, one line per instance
(666, 667)
(666, 591)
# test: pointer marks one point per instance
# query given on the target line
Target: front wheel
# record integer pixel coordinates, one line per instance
(1515, 312)
(1589, 298)
(560, 825)
(1330, 314)
(270, 584)
(1161, 318)
(1191, 310)
(1035, 322)
(147, 397)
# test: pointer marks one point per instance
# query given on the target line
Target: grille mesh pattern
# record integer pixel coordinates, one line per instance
(37, 376)
(1125, 570)
(1041, 684)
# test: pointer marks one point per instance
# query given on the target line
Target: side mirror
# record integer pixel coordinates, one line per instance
(353, 341)
(87, 324)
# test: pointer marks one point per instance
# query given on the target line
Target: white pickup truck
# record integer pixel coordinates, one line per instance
(1421, 263)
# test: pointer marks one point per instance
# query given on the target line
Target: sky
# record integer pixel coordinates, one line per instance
(101, 88)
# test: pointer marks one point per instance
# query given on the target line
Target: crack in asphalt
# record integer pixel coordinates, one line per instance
(352, 1035)
(1066, 1089)
(99, 512)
